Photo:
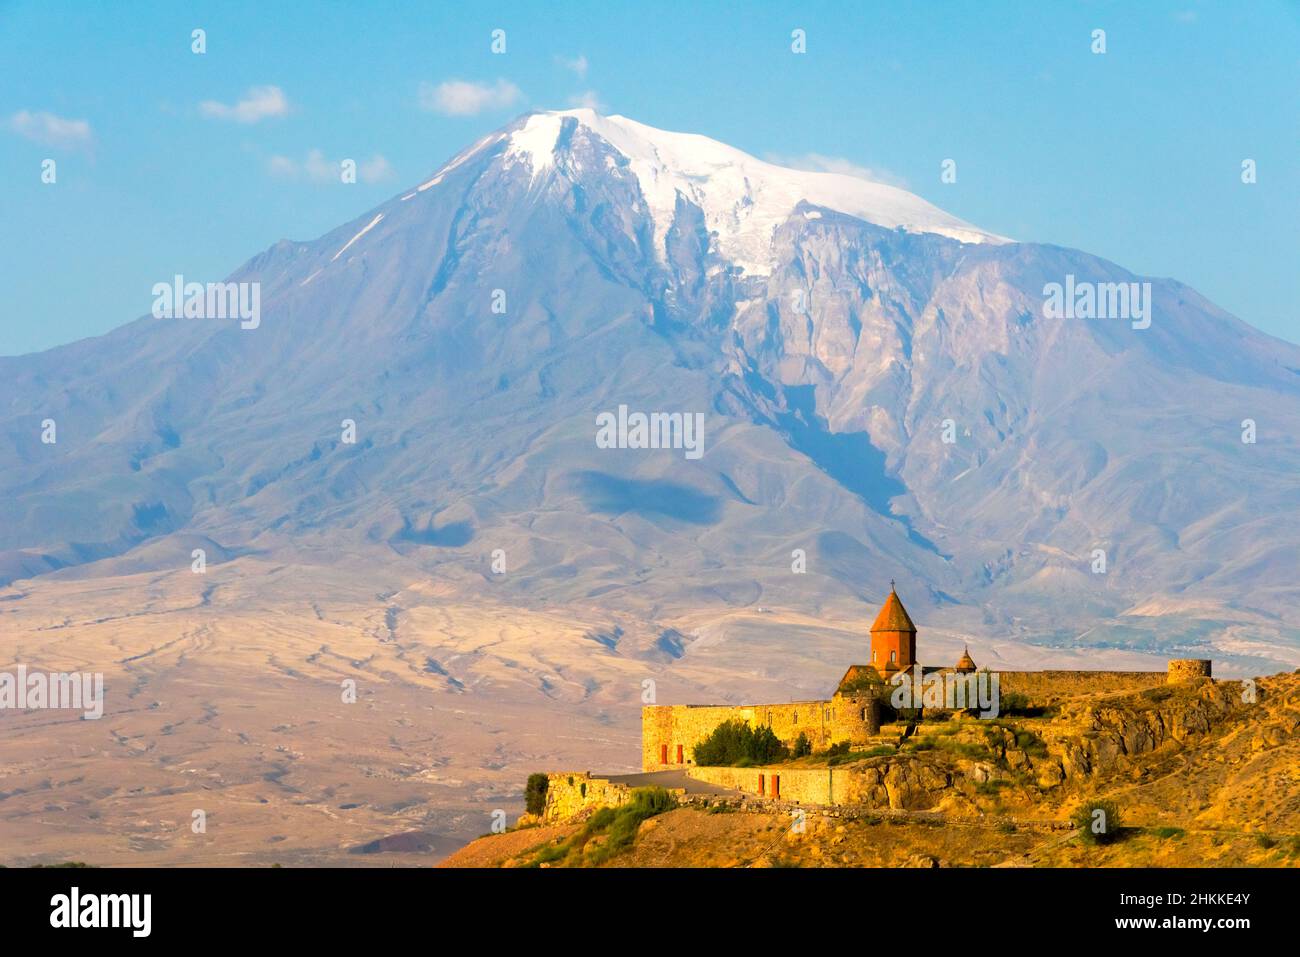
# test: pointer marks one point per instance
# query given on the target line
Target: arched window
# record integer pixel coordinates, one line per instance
(893, 656)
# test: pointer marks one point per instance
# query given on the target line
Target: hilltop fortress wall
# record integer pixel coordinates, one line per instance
(669, 733)
(1042, 688)
(571, 792)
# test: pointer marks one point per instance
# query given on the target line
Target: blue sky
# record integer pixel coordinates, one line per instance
(1134, 155)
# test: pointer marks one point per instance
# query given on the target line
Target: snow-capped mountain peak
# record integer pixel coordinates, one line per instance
(743, 199)
(826, 413)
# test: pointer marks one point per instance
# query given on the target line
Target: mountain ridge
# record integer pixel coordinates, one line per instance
(827, 376)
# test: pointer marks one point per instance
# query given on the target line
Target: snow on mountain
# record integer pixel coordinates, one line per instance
(744, 199)
(826, 411)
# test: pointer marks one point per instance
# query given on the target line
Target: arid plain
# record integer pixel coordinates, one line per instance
(224, 693)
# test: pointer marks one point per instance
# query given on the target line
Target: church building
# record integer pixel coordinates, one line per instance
(669, 733)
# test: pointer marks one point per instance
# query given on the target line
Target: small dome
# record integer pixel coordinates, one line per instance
(965, 664)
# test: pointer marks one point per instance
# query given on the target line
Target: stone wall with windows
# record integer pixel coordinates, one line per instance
(669, 733)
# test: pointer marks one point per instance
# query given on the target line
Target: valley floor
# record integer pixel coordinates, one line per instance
(224, 695)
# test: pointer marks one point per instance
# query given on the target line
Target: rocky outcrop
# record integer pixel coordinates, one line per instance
(913, 785)
(1118, 730)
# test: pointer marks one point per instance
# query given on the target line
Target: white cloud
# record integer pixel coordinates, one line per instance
(317, 168)
(463, 98)
(578, 65)
(375, 170)
(588, 100)
(282, 166)
(820, 163)
(259, 103)
(50, 130)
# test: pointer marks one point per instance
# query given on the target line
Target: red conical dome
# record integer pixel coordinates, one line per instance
(893, 616)
(893, 637)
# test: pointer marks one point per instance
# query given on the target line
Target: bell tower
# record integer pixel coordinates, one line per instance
(893, 637)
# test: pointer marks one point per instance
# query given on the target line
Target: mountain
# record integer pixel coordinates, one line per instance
(831, 332)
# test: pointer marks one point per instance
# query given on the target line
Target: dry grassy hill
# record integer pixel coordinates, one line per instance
(1201, 775)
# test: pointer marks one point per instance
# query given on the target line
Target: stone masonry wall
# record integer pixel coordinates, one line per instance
(684, 726)
(1187, 669)
(687, 725)
(796, 785)
(570, 792)
(666, 728)
(900, 783)
(1047, 687)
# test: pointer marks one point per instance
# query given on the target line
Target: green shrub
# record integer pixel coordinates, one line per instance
(1166, 833)
(601, 819)
(621, 824)
(1098, 821)
(535, 794)
(734, 742)
(648, 802)
(617, 825)
(1031, 743)
(768, 747)
(551, 853)
(1013, 702)
(802, 746)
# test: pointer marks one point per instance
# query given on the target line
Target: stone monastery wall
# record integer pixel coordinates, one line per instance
(570, 792)
(670, 732)
(795, 785)
(1045, 687)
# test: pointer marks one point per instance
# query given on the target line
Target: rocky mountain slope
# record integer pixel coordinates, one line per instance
(830, 330)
